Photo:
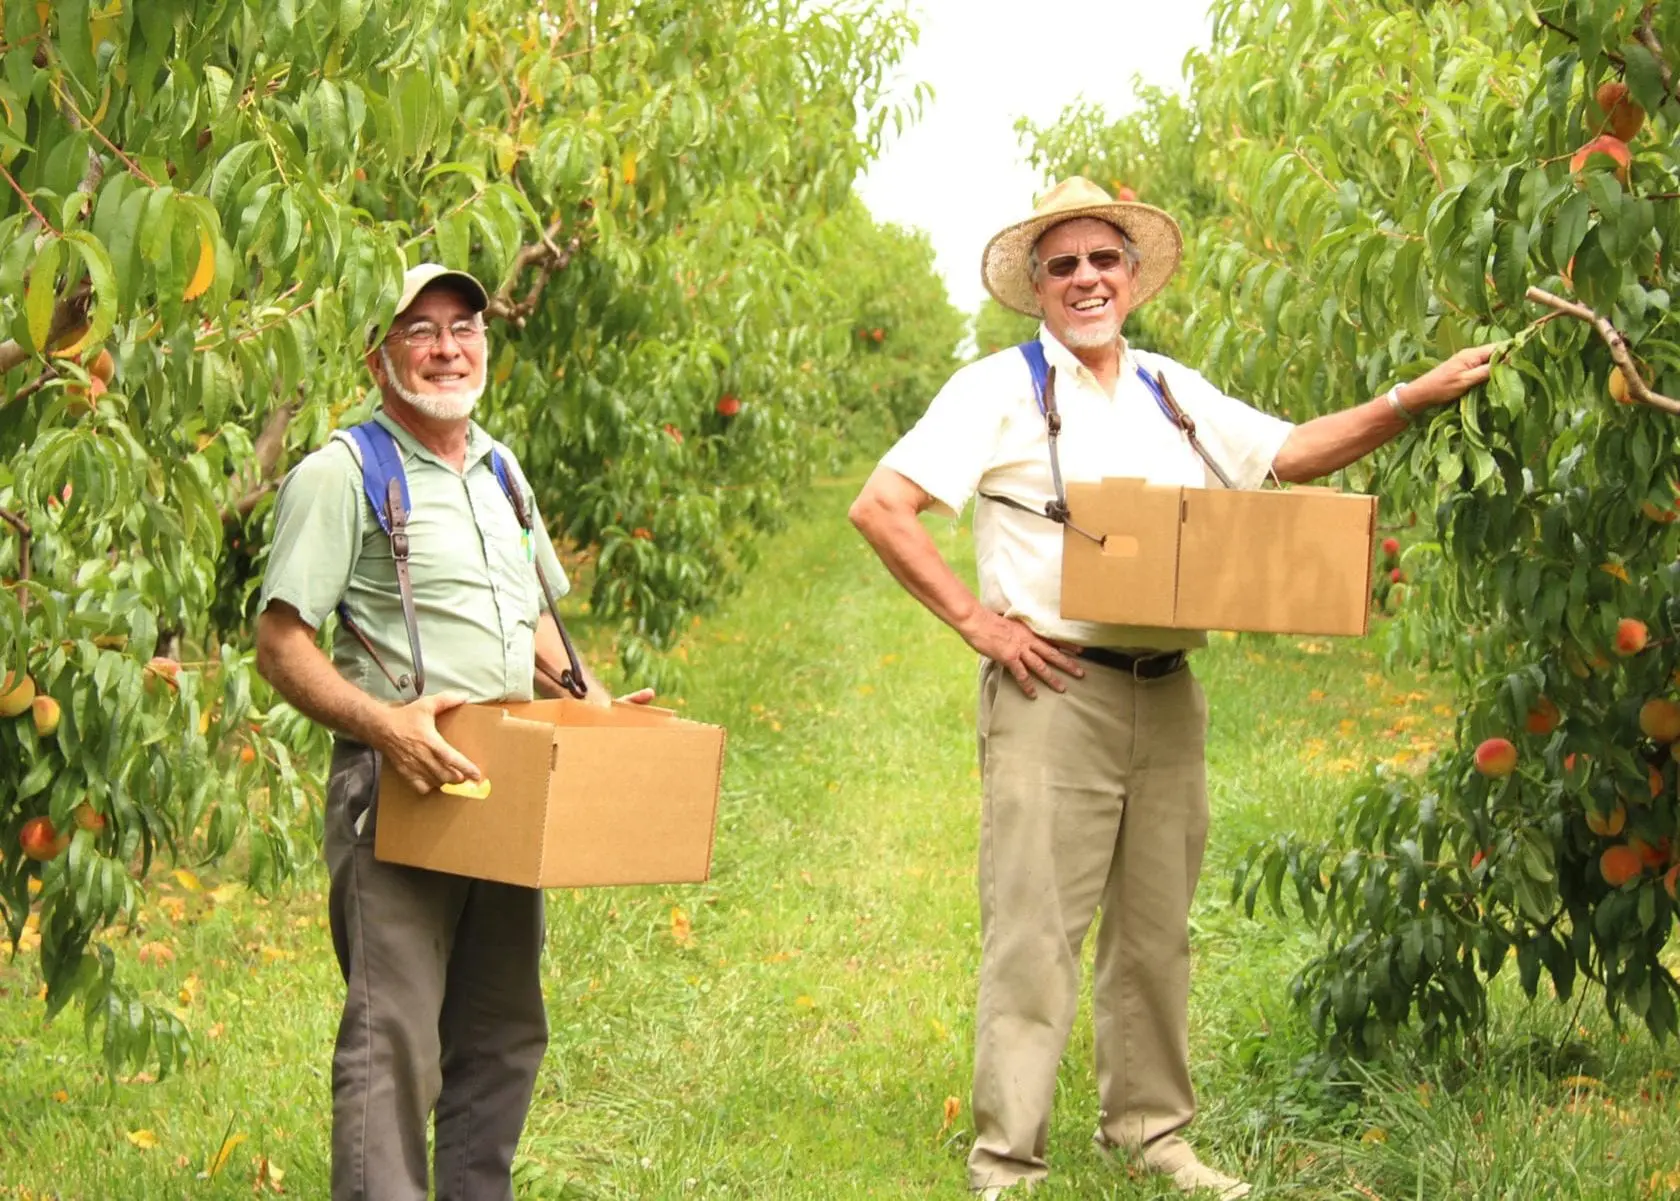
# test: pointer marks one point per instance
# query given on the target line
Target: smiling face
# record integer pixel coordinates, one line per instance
(1085, 309)
(440, 375)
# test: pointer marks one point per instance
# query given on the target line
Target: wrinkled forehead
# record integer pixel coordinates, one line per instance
(1076, 234)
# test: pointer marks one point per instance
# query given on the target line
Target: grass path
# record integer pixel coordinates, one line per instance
(799, 1027)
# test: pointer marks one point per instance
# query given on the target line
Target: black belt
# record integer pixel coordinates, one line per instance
(1142, 667)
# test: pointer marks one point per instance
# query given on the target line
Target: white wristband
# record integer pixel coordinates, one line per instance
(1400, 410)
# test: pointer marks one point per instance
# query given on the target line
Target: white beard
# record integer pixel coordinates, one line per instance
(453, 407)
(1092, 339)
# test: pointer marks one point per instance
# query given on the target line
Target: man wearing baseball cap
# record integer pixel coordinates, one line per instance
(1091, 735)
(443, 1009)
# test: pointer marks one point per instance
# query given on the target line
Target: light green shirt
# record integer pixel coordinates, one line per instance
(476, 595)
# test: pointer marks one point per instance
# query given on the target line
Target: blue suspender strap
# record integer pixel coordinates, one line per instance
(386, 486)
(1160, 396)
(1033, 352)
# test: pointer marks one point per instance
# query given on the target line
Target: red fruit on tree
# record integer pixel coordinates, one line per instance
(40, 841)
(1604, 146)
(1631, 636)
(1623, 117)
(1396, 575)
(728, 405)
(1496, 757)
(1618, 865)
(1391, 547)
(1543, 718)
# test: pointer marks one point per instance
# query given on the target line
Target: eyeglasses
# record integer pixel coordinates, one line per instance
(1063, 265)
(425, 335)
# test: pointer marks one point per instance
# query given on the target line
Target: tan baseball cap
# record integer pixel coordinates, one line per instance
(422, 276)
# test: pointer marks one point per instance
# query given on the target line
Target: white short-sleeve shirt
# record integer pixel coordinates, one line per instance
(984, 433)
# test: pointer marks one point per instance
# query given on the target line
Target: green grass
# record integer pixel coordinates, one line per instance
(804, 1043)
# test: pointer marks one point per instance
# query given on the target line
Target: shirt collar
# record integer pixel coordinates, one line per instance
(1064, 360)
(479, 443)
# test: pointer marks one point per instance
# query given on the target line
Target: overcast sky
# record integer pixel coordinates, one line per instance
(961, 173)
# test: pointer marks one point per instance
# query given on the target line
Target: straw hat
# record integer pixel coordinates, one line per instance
(1003, 266)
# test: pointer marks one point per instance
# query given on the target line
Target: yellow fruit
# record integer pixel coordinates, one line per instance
(1608, 825)
(46, 713)
(1619, 387)
(15, 701)
(1659, 718)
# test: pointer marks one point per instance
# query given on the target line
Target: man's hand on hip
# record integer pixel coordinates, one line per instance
(414, 749)
(1022, 653)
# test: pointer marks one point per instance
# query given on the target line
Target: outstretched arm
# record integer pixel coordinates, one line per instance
(1329, 443)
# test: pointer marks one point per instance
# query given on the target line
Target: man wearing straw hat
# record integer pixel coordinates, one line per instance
(1091, 735)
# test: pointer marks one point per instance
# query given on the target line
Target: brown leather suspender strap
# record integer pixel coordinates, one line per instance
(570, 677)
(1182, 419)
(1056, 510)
(414, 681)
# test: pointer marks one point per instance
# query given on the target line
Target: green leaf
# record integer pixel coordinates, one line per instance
(42, 294)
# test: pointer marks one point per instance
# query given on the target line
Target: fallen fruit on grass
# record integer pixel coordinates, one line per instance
(14, 700)
(46, 713)
(1618, 865)
(475, 790)
(1631, 636)
(1608, 825)
(1496, 757)
(1659, 718)
(1543, 718)
(40, 841)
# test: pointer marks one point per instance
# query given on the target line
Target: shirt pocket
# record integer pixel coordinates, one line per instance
(510, 554)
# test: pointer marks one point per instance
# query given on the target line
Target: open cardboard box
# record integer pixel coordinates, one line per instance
(1295, 561)
(579, 795)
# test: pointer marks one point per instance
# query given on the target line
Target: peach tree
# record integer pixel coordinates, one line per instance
(1367, 189)
(203, 209)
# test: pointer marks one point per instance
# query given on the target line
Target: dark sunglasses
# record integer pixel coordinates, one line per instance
(1063, 265)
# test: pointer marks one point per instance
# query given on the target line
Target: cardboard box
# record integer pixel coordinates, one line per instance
(1295, 561)
(579, 796)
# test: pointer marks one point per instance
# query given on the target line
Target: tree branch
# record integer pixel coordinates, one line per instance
(1638, 389)
(1646, 35)
(24, 535)
(70, 312)
(549, 259)
(258, 480)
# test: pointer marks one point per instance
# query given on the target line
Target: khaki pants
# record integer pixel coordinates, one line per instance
(1096, 797)
(443, 1011)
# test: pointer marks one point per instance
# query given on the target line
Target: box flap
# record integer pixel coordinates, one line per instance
(1138, 561)
(567, 711)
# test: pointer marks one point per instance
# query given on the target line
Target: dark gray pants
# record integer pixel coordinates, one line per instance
(443, 1012)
